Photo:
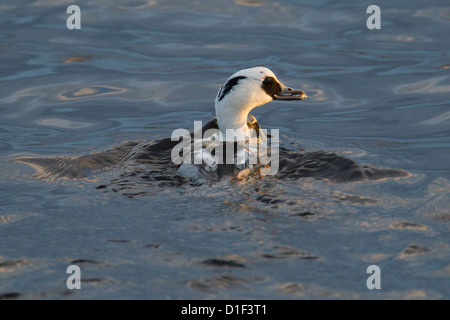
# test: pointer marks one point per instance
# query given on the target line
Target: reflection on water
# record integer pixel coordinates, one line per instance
(79, 59)
(426, 86)
(89, 92)
(85, 106)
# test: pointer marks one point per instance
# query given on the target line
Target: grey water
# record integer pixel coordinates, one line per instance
(137, 70)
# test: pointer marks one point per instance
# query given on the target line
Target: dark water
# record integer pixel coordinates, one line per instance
(137, 70)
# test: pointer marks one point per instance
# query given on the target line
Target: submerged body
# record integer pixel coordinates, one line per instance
(141, 162)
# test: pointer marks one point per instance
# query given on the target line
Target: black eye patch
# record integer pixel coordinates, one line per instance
(271, 86)
(229, 85)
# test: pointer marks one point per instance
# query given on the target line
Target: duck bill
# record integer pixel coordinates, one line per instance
(289, 94)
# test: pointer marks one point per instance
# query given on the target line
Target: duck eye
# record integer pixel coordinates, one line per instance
(268, 81)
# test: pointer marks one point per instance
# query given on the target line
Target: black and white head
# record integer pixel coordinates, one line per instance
(248, 89)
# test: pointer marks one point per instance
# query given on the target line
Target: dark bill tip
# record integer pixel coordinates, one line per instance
(288, 94)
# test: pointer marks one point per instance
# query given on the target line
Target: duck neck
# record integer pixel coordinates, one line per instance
(232, 118)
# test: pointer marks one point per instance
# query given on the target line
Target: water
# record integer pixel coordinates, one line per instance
(137, 70)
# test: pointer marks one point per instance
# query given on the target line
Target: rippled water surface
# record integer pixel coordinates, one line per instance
(137, 70)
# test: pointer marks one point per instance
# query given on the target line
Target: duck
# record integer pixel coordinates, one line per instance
(242, 92)
(245, 90)
(152, 161)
